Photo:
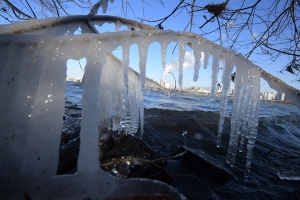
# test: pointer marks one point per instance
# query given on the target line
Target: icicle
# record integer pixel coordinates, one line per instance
(134, 103)
(143, 53)
(214, 74)
(109, 116)
(253, 122)
(206, 56)
(140, 101)
(94, 10)
(104, 5)
(197, 56)
(125, 122)
(89, 135)
(181, 47)
(242, 115)
(163, 47)
(241, 82)
(117, 26)
(226, 77)
(247, 110)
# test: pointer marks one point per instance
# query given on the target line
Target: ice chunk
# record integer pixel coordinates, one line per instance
(289, 176)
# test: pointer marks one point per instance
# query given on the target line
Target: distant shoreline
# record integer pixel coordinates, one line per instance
(278, 101)
(206, 94)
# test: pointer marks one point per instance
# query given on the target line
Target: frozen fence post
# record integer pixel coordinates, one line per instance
(45, 124)
(89, 154)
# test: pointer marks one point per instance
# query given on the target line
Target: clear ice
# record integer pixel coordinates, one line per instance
(32, 103)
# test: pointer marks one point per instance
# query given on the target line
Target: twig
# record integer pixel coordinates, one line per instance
(55, 8)
(31, 9)
(192, 15)
(17, 9)
(62, 7)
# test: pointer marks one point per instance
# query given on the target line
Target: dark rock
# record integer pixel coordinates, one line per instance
(71, 130)
(130, 157)
(69, 147)
(68, 156)
(124, 156)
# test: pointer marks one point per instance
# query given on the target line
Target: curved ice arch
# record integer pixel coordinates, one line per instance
(36, 105)
(31, 126)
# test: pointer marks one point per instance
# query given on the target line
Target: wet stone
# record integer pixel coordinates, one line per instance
(123, 156)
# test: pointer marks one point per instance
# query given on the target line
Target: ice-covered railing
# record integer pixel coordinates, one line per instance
(32, 100)
(32, 105)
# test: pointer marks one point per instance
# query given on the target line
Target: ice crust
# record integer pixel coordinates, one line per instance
(32, 104)
(32, 117)
(289, 176)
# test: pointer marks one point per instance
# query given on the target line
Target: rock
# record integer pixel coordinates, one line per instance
(130, 157)
(69, 147)
(124, 156)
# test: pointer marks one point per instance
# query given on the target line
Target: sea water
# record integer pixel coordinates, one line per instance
(277, 149)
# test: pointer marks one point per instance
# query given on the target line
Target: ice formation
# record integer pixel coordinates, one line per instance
(289, 176)
(32, 103)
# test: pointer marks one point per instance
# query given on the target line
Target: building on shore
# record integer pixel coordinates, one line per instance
(280, 96)
(74, 79)
(268, 96)
(272, 96)
(165, 84)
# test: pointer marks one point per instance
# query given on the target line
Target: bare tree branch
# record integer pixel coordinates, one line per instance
(31, 9)
(14, 8)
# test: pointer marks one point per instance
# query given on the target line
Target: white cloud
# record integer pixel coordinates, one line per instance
(189, 61)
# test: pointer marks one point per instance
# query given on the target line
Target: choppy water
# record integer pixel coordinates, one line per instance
(277, 147)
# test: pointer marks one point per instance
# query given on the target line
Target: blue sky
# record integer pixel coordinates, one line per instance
(154, 10)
